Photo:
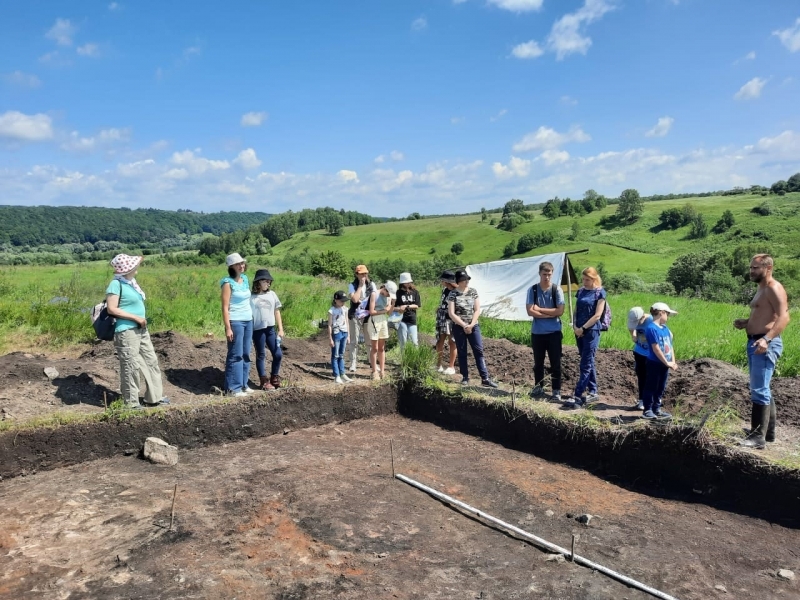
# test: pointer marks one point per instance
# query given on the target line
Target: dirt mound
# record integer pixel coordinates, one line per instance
(193, 370)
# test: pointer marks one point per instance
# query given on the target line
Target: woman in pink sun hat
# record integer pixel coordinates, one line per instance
(125, 302)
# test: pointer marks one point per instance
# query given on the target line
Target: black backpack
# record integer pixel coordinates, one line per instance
(104, 324)
(351, 312)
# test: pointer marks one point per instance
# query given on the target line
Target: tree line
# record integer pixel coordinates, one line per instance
(35, 226)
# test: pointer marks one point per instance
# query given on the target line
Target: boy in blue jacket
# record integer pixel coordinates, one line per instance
(659, 362)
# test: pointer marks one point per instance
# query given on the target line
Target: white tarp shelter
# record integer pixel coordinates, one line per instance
(503, 284)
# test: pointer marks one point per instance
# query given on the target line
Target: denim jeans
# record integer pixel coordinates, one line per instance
(476, 342)
(549, 344)
(337, 353)
(406, 332)
(587, 348)
(264, 339)
(237, 363)
(761, 367)
(657, 376)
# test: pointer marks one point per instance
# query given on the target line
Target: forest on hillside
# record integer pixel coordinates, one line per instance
(53, 225)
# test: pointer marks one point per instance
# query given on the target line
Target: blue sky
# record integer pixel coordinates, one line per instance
(390, 107)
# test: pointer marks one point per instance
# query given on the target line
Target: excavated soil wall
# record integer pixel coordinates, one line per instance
(29, 450)
(662, 460)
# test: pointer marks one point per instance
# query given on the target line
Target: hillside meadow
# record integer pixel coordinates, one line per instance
(642, 249)
(47, 308)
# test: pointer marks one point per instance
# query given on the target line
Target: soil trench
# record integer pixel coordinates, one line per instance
(315, 514)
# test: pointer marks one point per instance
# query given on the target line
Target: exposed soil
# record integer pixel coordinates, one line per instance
(315, 514)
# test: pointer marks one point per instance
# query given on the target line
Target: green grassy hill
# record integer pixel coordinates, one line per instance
(642, 248)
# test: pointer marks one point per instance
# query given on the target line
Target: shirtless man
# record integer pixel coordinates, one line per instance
(769, 316)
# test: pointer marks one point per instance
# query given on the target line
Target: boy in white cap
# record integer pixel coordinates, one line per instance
(660, 361)
(637, 322)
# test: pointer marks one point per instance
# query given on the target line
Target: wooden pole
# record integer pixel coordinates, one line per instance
(172, 514)
(569, 290)
(391, 451)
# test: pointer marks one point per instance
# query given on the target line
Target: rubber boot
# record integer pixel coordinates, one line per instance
(759, 420)
(773, 410)
(275, 381)
(264, 383)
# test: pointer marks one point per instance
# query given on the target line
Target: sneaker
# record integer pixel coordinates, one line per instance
(136, 406)
(648, 414)
(592, 398)
(489, 383)
(662, 414)
(556, 397)
(465, 382)
(346, 379)
(163, 401)
(574, 403)
(640, 405)
(440, 369)
(248, 390)
(537, 392)
(449, 371)
(239, 394)
(338, 380)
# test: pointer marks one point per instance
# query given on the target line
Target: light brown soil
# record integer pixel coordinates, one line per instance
(315, 514)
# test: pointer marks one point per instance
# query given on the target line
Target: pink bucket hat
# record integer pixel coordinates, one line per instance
(124, 263)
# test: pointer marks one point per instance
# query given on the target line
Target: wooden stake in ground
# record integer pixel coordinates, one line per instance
(391, 451)
(172, 515)
(105, 403)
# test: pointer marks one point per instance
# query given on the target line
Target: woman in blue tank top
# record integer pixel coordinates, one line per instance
(238, 319)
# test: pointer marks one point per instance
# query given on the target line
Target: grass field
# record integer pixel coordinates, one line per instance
(47, 307)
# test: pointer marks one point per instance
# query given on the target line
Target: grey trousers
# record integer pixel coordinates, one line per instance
(136, 355)
(351, 353)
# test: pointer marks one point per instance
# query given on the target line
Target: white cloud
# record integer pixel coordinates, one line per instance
(20, 79)
(91, 50)
(380, 159)
(553, 157)
(197, 164)
(790, 37)
(546, 138)
(396, 155)
(114, 6)
(518, 6)
(61, 32)
(346, 176)
(751, 89)
(456, 120)
(28, 128)
(662, 127)
(54, 59)
(191, 51)
(567, 34)
(247, 159)
(419, 24)
(137, 168)
(177, 174)
(227, 187)
(568, 101)
(784, 145)
(499, 115)
(750, 55)
(105, 138)
(517, 167)
(529, 49)
(253, 119)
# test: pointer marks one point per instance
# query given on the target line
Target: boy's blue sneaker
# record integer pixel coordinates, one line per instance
(465, 382)
(648, 414)
(537, 392)
(640, 405)
(592, 398)
(574, 403)
(662, 414)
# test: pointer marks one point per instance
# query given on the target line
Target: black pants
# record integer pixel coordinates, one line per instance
(640, 366)
(550, 344)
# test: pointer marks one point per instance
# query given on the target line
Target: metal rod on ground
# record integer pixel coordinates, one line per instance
(535, 539)
(391, 450)
(172, 515)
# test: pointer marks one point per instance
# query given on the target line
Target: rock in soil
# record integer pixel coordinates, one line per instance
(786, 574)
(159, 452)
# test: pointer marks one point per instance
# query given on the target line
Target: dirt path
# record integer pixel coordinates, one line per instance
(315, 514)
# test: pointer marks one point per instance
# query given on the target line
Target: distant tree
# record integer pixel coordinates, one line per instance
(513, 206)
(588, 205)
(576, 231)
(414, 216)
(793, 185)
(699, 228)
(509, 221)
(671, 218)
(483, 214)
(552, 208)
(726, 221)
(331, 263)
(630, 207)
(601, 202)
(688, 213)
(335, 224)
(492, 222)
(510, 249)
(566, 208)
(779, 187)
(457, 248)
(526, 243)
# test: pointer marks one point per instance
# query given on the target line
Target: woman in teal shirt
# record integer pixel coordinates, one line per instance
(125, 302)
(238, 319)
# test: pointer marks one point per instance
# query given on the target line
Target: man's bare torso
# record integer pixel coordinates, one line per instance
(763, 308)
